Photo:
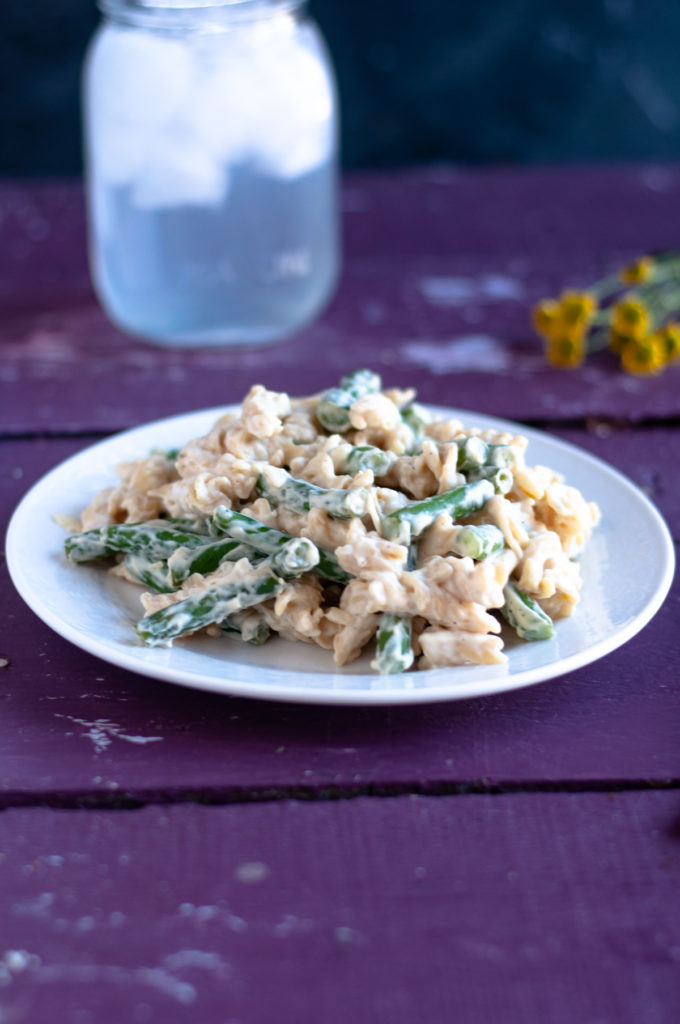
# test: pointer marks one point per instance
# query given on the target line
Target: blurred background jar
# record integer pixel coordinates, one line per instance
(211, 169)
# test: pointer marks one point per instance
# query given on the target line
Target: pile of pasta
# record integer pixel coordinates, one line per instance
(347, 518)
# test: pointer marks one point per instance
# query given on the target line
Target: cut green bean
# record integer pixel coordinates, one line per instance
(411, 417)
(189, 524)
(334, 405)
(525, 615)
(366, 456)
(216, 603)
(249, 626)
(499, 476)
(223, 598)
(154, 575)
(248, 530)
(205, 559)
(472, 452)
(478, 542)
(153, 539)
(394, 652)
(168, 453)
(500, 455)
(412, 520)
(301, 496)
(299, 555)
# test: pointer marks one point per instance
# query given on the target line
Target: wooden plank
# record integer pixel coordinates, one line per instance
(441, 267)
(75, 727)
(528, 909)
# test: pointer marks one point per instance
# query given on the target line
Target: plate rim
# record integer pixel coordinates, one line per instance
(493, 685)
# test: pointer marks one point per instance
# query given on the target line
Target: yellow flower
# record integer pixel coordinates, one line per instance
(566, 349)
(544, 317)
(631, 318)
(619, 340)
(643, 356)
(669, 336)
(638, 272)
(576, 309)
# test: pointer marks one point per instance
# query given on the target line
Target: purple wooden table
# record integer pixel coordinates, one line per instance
(173, 856)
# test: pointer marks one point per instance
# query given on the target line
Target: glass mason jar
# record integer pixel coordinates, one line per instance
(211, 155)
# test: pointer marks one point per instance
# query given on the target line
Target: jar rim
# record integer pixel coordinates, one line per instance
(165, 12)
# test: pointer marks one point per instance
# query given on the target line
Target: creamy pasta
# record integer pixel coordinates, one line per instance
(345, 519)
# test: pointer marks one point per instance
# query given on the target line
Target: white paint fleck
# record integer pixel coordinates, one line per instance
(290, 924)
(18, 960)
(102, 732)
(116, 918)
(85, 924)
(77, 857)
(470, 352)
(252, 871)
(38, 906)
(345, 936)
(460, 291)
(206, 913)
(235, 923)
(160, 979)
(203, 959)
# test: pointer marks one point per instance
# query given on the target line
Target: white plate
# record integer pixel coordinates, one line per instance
(627, 569)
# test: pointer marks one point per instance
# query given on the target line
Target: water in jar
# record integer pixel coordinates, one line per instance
(212, 180)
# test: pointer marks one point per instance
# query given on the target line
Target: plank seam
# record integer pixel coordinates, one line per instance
(214, 797)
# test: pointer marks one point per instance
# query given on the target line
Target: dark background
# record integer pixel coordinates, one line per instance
(420, 80)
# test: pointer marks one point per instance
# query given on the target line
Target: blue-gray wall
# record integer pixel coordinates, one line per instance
(481, 80)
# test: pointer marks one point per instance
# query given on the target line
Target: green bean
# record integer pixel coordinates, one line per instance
(248, 625)
(223, 597)
(248, 530)
(478, 542)
(190, 524)
(168, 453)
(472, 453)
(153, 539)
(154, 575)
(301, 496)
(394, 652)
(366, 456)
(500, 476)
(500, 455)
(297, 556)
(205, 559)
(216, 603)
(403, 524)
(334, 405)
(525, 615)
(412, 418)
